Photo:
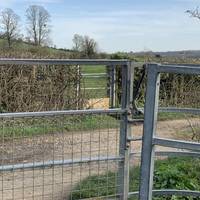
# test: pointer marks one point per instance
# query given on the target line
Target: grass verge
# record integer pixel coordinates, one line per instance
(39, 126)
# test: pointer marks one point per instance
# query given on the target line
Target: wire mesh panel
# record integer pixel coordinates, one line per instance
(59, 157)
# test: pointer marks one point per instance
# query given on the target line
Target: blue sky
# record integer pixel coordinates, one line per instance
(120, 25)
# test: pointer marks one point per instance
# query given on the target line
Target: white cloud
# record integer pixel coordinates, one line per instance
(130, 30)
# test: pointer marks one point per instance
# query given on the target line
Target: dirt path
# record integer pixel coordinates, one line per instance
(56, 183)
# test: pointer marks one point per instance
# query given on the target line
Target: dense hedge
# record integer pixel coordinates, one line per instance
(38, 88)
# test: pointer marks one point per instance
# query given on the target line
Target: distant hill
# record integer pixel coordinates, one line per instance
(22, 49)
(27, 50)
(177, 54)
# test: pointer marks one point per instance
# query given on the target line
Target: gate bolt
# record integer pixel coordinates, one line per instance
(128, 144)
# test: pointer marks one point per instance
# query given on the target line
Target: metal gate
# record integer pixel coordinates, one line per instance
(149, 137)
(65, 154)
(48, 154)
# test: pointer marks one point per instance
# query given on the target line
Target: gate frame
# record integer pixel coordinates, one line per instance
(149, 135)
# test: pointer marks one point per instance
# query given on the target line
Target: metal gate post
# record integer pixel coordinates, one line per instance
(124, 146)
(150, 119)
(113, 86)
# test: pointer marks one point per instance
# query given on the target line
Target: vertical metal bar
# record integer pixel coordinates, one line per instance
(112, 86)
(150, 119)
(78, 88)
(123, 180)
(131, 84)
(128, 131)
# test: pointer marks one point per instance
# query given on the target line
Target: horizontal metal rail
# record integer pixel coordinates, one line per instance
(170, 153)
(194, 111)
(176, 144)
(53, 163)
(132, 121)
(177, 153)
(186, 64)
(131, 139)
(8, 61)
(64, 112)
(181, 69)
(68, 162)
(169, 192)
(102, 88)
(94, 77)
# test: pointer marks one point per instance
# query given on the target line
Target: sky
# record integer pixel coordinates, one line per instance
(119, 25)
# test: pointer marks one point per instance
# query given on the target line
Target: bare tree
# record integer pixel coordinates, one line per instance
(78, 42)
(86, 45)
(38, 28)
(89, 47)
(9, 24)
(194, 13)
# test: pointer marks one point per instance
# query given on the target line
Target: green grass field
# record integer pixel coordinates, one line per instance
(94, 82)
(87, 69)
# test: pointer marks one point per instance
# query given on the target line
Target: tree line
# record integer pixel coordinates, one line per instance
(38, 30)
(37, 25)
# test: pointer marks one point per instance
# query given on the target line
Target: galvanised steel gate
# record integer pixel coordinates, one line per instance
(150, 140)
(48, 154)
